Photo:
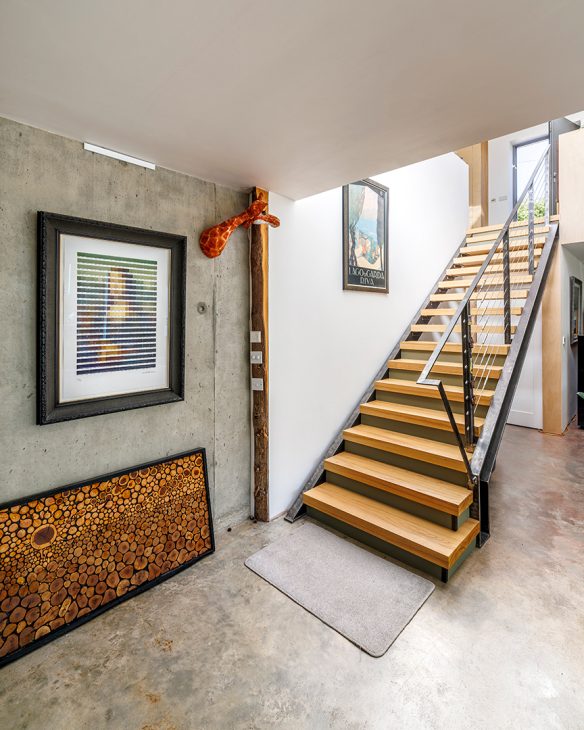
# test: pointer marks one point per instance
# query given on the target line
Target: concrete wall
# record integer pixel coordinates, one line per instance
(326, 344)
(41, 171)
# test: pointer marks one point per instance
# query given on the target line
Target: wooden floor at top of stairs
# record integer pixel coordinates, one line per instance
(423, 538)
(429, 491)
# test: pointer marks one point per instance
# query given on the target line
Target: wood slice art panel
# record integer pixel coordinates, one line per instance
(68, 555)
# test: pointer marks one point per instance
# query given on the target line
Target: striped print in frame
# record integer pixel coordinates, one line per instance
(116, 313)
(114, 318)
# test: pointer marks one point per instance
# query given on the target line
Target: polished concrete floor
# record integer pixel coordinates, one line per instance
(500, 646)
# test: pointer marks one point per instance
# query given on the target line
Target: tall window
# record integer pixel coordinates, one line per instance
(525, 157)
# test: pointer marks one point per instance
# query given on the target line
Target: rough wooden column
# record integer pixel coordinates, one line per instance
(477, 159)
(259, 323)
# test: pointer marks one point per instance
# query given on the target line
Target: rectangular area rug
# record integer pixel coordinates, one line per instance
(364, 597)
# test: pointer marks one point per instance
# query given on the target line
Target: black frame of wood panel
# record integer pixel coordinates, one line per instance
(9, 658)
(50, 226)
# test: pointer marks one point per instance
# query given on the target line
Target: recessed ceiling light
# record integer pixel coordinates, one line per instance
(118, 155)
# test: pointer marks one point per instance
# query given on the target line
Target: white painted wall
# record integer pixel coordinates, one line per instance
(327, 344)
(527, 407)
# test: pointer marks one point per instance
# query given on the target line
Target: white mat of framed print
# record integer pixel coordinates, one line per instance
(113, 302)
(114, 318)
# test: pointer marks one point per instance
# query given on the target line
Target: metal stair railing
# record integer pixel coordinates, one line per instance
(488, 300)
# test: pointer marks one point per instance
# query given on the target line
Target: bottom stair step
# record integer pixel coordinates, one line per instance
(429, 541)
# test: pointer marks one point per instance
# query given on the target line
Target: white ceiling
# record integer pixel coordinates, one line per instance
(296, 96)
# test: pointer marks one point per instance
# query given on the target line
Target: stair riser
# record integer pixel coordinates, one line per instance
(385, 548)
(406, 462)
(406, 505)
(414, 400)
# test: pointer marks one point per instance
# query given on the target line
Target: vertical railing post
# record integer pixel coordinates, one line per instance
(531, 230)
(506, 288)
(546, 194)
(469, 430)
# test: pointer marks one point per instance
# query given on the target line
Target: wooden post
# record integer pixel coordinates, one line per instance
(552, 348)
(259, 323)
(477, 159)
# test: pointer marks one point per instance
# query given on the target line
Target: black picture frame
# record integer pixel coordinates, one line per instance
(50, 226)
(575, 309)
(66, 628)
(361, 278)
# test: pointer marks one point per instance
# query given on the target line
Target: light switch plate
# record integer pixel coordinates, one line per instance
(257, 383)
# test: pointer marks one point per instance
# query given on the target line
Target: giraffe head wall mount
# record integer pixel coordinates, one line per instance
(213, 240)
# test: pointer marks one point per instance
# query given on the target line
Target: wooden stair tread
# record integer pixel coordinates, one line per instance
(491, 269)
(475, 311)
(477, 248)
(490, 280)
(443, 368)
(429, 346)
(419, 488)
(514, 225)
(514, 235)
(514, 256)
(414, 414)
(410, 387)
(415, 447)
(420, 537)
(490, 295)
(483, 329)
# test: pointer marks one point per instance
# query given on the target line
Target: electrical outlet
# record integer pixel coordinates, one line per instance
(256, 357)
(257, 383)
(255, 336)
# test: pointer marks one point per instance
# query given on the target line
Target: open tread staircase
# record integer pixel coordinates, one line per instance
(397, 478)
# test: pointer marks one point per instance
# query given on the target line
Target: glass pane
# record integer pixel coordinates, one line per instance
(528, 156)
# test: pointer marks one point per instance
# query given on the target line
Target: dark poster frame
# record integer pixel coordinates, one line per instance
(575, 286)
(56, 633)
(50, 227)
(348, 241)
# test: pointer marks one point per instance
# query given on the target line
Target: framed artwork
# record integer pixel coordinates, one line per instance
(79, 550)
(576, 328)
(365, 221)
(111, 313)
